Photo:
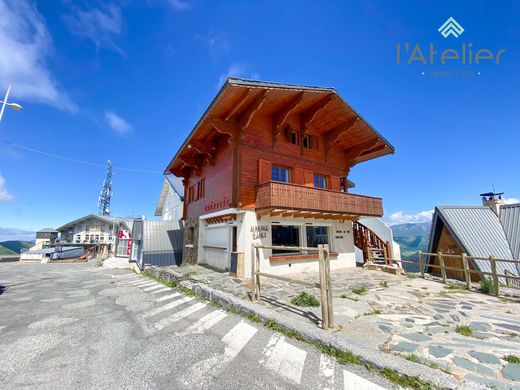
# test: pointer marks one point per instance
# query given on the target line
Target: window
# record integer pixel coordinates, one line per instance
(280, 174)
(310, 142)
(317, 235)
(320, 181)
(196, 191)
(285, 235)
(201, 189)
(292, 136)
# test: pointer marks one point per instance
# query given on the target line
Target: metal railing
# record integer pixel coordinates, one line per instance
(324, 285)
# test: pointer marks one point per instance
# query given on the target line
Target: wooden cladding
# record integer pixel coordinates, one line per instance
(273, 195)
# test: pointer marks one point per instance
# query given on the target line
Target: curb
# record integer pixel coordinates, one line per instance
(368, 356)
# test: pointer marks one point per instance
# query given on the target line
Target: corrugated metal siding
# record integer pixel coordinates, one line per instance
(510, 219)
(481, 234)
(162, 242)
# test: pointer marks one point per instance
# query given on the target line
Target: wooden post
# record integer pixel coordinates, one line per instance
(257, 266)
(443, 269)
(323, 289)
(467, 274)
(494, 275)
(421, 265)
(330, 314)
(253, 273)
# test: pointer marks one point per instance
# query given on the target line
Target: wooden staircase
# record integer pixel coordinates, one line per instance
(372, 246)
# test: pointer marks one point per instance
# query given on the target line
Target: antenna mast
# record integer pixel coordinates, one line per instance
(106, 192)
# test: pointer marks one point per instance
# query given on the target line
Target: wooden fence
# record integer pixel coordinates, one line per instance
(510, 279)
(324, 285)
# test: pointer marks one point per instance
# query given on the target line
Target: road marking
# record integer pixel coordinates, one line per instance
(352, 381)
(202, 374)
(126, 276)
(284, 359)
(137, 282)
(326, 372)
(146, 284)
(206, 322)
(153, 287)
(161, 290)
(179, 315)
(168, 306)
(167, 297)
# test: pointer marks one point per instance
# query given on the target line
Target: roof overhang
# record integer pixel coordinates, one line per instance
(319, 109)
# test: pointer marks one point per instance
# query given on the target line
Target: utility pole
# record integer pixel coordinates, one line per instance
(106, 192)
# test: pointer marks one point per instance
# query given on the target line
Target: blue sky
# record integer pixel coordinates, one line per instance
(126, 80)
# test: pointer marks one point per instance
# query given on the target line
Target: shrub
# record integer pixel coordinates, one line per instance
(512, 359)
(486, 285)
(305, 300)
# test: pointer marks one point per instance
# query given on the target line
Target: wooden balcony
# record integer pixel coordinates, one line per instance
(287, 199)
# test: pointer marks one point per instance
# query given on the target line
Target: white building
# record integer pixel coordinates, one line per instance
(171, 200)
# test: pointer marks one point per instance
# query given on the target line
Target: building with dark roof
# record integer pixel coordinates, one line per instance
(480, 231)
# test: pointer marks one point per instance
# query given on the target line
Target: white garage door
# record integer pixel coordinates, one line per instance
(217, 250)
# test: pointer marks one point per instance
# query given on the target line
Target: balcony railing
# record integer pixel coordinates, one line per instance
(275, 195)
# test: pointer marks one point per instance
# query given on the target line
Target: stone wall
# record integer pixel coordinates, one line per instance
(191, 241)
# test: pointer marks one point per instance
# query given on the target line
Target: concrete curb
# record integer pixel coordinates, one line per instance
(374, 357)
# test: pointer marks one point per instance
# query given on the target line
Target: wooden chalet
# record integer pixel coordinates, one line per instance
(268, 163)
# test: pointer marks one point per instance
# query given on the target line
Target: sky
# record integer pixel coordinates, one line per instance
(126, 80)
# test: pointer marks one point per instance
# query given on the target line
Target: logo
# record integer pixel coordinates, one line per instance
(451, 27)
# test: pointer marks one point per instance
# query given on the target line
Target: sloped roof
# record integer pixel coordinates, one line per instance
(47, 230)
(477, 231)
(510, 219)
(175, 184)
(103, 218)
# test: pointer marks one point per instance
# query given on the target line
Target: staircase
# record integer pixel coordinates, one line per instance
(372, 246)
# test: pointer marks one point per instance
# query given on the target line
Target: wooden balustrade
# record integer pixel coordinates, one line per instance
(276, 195)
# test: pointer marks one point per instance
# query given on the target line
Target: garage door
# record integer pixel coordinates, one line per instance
(217, 250)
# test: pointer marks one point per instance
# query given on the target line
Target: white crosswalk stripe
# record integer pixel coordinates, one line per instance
(202, 373)
(153, 287)
(161, 290)
(168, 306)
(179, 315)
(168, 297)
(147, 284)
(126, 276)
(284, 359)
(326, 372)
(137, 282)
(205, 323)
(352, 381)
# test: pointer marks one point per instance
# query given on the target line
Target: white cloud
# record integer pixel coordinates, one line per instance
(236, 70)
(100, 25)
(180, 5)
(117, 123)
(4, 195)
(401, 217)
(511, 200)
(25, 44)
(217, 45)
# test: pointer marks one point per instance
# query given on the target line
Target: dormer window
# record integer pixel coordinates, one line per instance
(310, 142)
(292, 136)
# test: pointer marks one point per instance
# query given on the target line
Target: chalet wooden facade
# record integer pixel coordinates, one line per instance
(268, 163)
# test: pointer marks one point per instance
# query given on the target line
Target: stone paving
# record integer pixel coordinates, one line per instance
(411, 317)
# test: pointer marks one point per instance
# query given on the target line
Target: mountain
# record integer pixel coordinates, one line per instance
(14, 247)
(412, 237)
(411, 229)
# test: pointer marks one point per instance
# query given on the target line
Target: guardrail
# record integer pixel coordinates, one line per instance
(324, 285)
(510, 279)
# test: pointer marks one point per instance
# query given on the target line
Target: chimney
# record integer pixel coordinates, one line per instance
(493, 200)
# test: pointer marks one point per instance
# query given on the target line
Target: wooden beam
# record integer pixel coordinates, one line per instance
(280, 117)
(309, 114)
(247, 116)
(239, 107)
(332, 136)
(356, 151)
(204, 150)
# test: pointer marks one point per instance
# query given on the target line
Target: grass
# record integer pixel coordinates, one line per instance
(372, 313)
(384, 284)
(360, 290)
(512, 359)
(345, 296)
(412, 276)
(304, 299)
(486, 285)
(171, 283)
(453, 286)
(464, 330)
(405, 380)
(413, 358)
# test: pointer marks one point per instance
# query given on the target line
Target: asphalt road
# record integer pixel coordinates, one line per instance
(78, 326)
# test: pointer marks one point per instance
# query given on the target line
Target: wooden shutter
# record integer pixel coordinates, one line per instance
(334, 183)
(308, 178)
(298, 176)
(264, 171)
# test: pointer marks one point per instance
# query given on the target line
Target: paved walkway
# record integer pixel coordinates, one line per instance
(78, 326)
(407, 316)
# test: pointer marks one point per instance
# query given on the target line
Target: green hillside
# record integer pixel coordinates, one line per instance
(14, 247)
(412, 237)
